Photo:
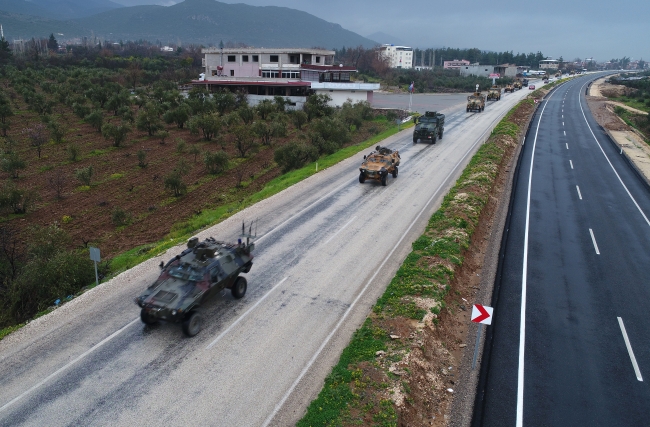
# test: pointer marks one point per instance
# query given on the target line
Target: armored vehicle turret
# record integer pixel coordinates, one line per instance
(189, 279)
(378, 164)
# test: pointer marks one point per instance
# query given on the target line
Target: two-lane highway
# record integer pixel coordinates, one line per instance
(570, 342)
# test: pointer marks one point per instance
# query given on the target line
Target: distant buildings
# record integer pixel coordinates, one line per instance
(398, 56)
(549, 63)
(455, 64)
(476, 70)
(290, 73)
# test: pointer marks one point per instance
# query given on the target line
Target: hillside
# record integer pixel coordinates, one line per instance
(57, 9)
(204, 22)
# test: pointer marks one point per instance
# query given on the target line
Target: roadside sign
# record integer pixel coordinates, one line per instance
(497, 75)
(94, 254)
(482, 314)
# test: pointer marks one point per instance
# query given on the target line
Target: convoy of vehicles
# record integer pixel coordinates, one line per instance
(429, 127)
(189, 279)
(378, 164)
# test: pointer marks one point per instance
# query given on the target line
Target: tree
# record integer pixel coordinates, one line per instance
(317, 106)
(57, 182)
(174, 181)
(95, 119)
(215, 162)
(37, 136)
(295, 155)
(52, 44)
(265, 108)
(179, 115)
(5, 113)
(299, 118)
(148, 119)
(208, 124)
(18, 201)
(244, 141)
(12, 164)
(5, 51)
(224, 101)
(246, 113)
(116, 133)
(84, 175)
(57, 130)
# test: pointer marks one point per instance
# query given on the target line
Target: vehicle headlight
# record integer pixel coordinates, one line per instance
(173, 312)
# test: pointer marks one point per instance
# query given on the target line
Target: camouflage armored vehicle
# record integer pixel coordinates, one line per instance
(378, 164)
(509, 88)
(476, 102)
(429, 127)
(189, 279)
(494, 94)
(517, 85)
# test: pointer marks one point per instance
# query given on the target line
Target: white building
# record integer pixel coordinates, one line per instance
(549, 63)
(398, 56)
(476, 70)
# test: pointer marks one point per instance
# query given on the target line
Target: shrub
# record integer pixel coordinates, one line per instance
(116, 133)
(142, 156)
(174, 182)
(73, 152)
(57, 130)
(12, 164)
(17, 200)
(208, 124)
(84, 175)
(95, 119)
(295, 155)
(244, 140)
(181, 146)
(120, 217)
(215, 162)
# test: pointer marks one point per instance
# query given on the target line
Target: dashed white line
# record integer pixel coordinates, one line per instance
(593, 239)
(629, 350)
(564, 132)
(579, 194)
(562, 123)
(567, 145)
(221, 335)
(571, 164)
(341, 229)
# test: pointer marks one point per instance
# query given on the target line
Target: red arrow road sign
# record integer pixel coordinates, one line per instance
(482, 314)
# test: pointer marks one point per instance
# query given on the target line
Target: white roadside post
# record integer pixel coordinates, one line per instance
(94, 255)
(481, 314)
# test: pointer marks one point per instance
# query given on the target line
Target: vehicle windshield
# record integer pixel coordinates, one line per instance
(425, 119)
(186, 272)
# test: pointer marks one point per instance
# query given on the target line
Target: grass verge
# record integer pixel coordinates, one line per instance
(373, 382)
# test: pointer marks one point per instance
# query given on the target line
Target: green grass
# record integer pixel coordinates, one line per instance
(447, 235)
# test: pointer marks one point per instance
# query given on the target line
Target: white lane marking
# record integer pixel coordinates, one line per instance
(562, 123)
(571, 164)
(610, 163)
(221, 335)
(579, 194)
(593, 239)
(341, 229)
(347, 312)
(58, 371)
(629, 350)
(564, 132)
(567, 145)
(522, 324)
(562, 114)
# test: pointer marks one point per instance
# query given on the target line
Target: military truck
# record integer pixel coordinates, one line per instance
(494, 93)
(517, 85)
(525, 82)
(476, 102)
(190, 278)
(378, 164)
(509, 88)
(429, 127)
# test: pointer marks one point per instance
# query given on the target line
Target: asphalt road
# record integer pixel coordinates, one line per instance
(420, 102)
(575, 349)
(327, 249)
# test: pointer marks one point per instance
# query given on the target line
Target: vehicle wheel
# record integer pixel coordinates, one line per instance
(146, 318)
(468, 110)
(441, 135)
(395, 172)
(192, 324)
(362, 178)
(238, 289)
(383, 180)
(434, 138)
(415, 140)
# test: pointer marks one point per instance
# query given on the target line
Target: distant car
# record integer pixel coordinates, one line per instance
(531, 87)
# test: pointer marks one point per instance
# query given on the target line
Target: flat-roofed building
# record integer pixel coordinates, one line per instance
(455, 64)
(549, 63)
(398, 56)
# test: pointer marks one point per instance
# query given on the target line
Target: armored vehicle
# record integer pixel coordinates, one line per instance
(509, 88)
(517, 85)
(378, 164)
(494, 94)
(476, 102)
(429, 127)
(525, 82)
(191, 277)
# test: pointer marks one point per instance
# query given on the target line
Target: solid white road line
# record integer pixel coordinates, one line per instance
(341, 229)
(522, 321)
(579, 194)
(629, 350)
(593, 239)
(221, 335)
(571, 164)
(610, 163)
(363, 290)
(58, 371)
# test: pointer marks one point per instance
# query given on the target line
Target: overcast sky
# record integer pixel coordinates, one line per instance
(568, 28)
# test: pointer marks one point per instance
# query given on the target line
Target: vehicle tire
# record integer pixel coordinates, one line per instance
(238, 289)
(434, 138)
(383, 180)
(146, 318)
(440, 134)
(395, 172)
(192, 324)
(362, 178)
(415, 140)
(468, 110)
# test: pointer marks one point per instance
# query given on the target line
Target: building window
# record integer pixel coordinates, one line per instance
(256, 58)
(270, 74)
(232, 58)
(274, 58)
(244, 58)
(232, 73)
(318, 59)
